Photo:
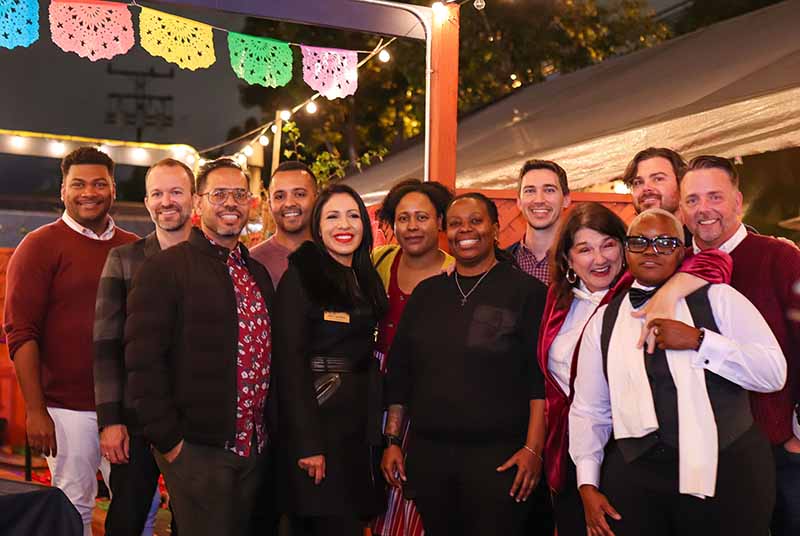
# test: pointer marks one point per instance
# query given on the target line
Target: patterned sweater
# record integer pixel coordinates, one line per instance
(114, 403)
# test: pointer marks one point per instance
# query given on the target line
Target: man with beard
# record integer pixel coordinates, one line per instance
(198, 353)
(292, 192)
(169, 186)
(764, 270)
(542, 196)
(51, 285)
(652, 177)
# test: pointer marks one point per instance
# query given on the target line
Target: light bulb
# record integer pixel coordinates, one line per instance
(384, 55)
(57, 148)
(139, 154)
(479, 4)
(311, 107)
(274, 128)
(286, 115)
(263, 140)
(621, 188)
(248, 151)
(439, 12)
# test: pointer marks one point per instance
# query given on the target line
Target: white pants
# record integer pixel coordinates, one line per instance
(74, 468)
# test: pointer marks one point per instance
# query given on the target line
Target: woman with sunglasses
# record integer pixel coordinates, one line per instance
(462, 366)
(687, 458)
(327, 307)
(588, 260)
(415, 212)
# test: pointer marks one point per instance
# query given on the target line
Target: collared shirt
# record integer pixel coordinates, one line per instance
(559, 357)
(730, 244)
(108, 234)
(253, 359)
(744, 352)
(540, 269)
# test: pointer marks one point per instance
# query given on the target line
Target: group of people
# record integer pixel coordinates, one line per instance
(631, 380)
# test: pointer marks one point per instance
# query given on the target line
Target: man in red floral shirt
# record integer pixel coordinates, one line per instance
(198, 357)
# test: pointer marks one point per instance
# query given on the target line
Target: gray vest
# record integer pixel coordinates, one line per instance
(730, 402)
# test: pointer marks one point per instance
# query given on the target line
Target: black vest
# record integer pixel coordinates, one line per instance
(729, 401)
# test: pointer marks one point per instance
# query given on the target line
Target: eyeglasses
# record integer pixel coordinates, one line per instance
(218, 196)
(663, 245)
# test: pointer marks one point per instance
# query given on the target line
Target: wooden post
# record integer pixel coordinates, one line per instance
(444, 94)
(276, 142)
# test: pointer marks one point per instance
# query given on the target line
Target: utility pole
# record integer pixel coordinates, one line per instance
(139, 109)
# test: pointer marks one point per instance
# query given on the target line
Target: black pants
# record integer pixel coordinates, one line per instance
(568, 506)
(212, 490)
(645, 493)
(786, 519)
(326, 526)
(132, 487)
(458, 490)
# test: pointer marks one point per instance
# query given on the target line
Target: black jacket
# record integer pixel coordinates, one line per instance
(310, 290)
(181, 340)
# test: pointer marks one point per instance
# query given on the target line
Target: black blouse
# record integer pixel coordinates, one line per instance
(468, 372)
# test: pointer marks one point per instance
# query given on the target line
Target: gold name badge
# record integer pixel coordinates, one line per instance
(332, 316)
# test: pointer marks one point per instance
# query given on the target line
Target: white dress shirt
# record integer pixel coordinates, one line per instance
(730, 244)
(108, 234)
(559, 356)
(744, 352)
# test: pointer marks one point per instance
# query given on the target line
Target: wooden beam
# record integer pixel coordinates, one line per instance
(443, 108)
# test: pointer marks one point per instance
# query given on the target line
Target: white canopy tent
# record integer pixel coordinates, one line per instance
(731, 89)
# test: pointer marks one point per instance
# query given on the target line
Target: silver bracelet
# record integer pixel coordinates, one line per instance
(526, 447)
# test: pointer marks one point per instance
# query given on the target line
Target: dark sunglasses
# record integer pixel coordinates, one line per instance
(663, 245)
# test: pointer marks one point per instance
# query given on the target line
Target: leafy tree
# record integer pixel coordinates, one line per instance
(504, 47)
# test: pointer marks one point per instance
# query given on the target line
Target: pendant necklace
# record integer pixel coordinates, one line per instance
(461, 291)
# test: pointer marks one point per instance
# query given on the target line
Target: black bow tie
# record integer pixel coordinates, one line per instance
(640, 296)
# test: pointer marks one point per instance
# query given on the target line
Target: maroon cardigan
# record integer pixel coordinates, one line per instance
(712, 265)
(765, 270)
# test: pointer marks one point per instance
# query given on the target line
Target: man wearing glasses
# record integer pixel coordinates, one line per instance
(687, 457)
(198, 357)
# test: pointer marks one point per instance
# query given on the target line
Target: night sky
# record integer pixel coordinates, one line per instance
(44, 89)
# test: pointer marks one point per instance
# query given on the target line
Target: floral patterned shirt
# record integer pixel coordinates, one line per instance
(253, 358)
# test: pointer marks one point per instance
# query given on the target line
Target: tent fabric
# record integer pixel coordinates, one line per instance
(731, 89)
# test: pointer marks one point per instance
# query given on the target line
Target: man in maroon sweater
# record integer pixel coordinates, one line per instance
(764, 270)
(51, 285)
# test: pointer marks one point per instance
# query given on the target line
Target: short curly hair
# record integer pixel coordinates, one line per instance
(86, 155)
(438, 194)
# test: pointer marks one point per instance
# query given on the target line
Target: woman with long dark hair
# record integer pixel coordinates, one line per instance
(588, 270)
(415, 212)
(326, 310)
(462, 366)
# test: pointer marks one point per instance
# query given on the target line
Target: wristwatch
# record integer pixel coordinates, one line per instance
(392, 440)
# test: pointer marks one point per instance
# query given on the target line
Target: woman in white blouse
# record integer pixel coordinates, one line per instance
(588, 261)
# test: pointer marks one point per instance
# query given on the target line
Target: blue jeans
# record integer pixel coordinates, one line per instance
(786, 518)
